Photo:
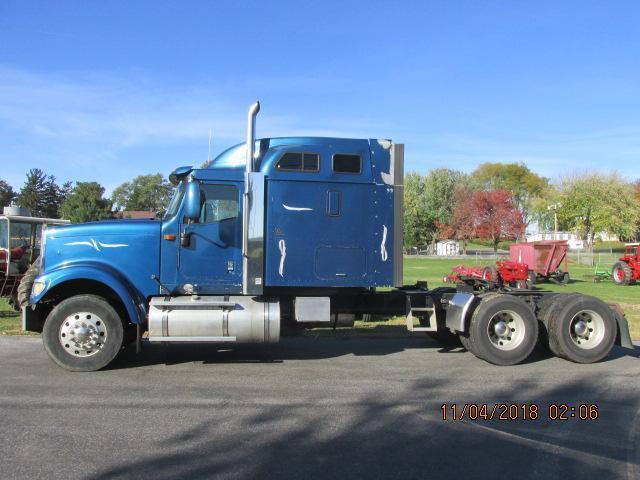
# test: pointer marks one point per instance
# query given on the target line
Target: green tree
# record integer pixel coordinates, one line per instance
(440, 186)
(428, 204)
(145, 192)
(32, 193)
(64, 193)
(593, 203)
(6, 193)
(85, 203)
(523, 184)
(40, 194)
(415, 210)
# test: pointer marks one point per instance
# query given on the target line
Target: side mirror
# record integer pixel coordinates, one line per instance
(192, 202)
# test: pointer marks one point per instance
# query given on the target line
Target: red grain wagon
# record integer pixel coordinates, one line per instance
(544, 258)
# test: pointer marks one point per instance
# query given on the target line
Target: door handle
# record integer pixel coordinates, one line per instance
(185, 239)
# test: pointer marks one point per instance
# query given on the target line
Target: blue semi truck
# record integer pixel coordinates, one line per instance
(276, 235)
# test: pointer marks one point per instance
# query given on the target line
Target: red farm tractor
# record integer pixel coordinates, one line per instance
(528, 263)
(503, 273)
(20, 236)
(627, 269)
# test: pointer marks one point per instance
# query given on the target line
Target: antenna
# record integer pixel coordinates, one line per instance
(210, 142)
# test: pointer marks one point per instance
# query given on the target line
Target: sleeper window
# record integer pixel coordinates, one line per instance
(299, 162)
(219, 202)
(344, 163)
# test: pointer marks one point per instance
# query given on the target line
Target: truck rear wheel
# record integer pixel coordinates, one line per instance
(503, 330)
(621, 273)
(533, 277)
(83, 333)
(581, 329)
(466, 343)
(548, 304)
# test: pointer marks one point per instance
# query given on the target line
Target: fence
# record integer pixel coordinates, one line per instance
(478, 257)
(605, 259)
(592, 259)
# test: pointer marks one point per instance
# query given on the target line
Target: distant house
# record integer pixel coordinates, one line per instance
(574, 241)
(134, 214)
(448, 248)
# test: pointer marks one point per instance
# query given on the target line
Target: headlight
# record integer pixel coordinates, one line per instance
(37, 289)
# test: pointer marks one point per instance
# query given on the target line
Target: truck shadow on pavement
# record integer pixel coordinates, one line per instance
(289, 348)
(401, 435)
(301, 348)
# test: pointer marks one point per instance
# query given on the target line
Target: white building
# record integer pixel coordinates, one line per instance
(575, 242)
(448, 248)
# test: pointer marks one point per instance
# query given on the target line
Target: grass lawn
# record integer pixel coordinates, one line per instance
(10, 320)
(432, 270)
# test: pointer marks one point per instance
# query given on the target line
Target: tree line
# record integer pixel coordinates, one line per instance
(86, 201)
(496, 202)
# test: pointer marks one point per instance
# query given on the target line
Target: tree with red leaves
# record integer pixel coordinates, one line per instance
(491, 215)
(496, 216)
(461, 225)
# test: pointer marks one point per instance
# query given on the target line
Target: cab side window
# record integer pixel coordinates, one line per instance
(346, 163)
(218, 202)
(299, 162)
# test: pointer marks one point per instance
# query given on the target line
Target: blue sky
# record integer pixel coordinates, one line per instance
(108, 90)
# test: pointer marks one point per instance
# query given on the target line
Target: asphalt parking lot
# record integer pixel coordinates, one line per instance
(310, 408)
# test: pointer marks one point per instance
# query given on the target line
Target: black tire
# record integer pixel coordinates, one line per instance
(516, 317)
(533, 277)
(490, 274)
(76, 309)
(445, 337)
(24, 289)
(596, 316)
(548, 304)
(621, 273)
(564, 278)
(466, 343)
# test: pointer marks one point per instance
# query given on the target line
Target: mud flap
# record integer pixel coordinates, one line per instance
(31, 321)
(623, 337)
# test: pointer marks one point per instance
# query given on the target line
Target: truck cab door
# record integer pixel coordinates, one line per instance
(210, 250)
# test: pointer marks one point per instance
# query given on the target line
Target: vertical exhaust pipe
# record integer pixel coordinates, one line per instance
(248, 187)
(251, 135)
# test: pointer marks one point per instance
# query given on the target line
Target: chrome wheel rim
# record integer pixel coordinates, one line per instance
(82, 334)
(586, 329)
(506, 330)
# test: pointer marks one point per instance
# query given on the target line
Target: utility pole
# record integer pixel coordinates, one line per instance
(554, 207)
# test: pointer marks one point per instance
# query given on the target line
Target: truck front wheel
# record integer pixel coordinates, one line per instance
(83, 333)
(503, 330)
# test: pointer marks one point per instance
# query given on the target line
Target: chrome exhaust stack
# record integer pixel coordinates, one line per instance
(252, 215)
(251, 135)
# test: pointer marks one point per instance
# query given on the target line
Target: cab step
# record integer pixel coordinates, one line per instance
(428, 313)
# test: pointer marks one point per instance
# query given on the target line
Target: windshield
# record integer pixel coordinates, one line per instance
(20, 234)
(174, 204)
